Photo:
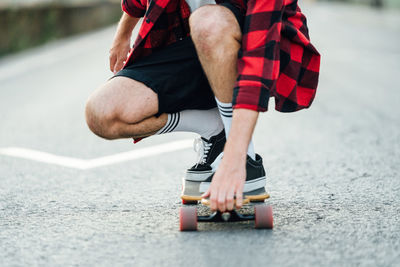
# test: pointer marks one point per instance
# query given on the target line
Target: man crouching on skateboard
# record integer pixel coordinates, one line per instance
(249, 50)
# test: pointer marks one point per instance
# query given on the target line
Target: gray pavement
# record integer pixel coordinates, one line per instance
(333, 169)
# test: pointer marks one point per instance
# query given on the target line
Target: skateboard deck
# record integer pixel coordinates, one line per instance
(246, 200)
(190, 193)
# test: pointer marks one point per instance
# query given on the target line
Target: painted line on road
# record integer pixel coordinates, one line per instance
(84, 164)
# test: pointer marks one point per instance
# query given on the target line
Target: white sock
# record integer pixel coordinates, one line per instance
(206, 123)
(226, 110)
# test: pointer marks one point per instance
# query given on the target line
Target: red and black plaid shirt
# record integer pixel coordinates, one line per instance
(164, 22)
(276, 58)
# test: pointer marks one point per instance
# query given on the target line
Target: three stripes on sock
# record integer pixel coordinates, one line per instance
(172, 122)
(226, 110)
(206, 123)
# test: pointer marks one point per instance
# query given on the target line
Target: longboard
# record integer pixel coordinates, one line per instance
(189, 218)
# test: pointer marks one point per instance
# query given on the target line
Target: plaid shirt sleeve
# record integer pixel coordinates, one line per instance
(133, 8)
(276, 59)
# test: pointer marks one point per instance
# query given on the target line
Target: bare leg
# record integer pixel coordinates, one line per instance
(217, 37)
(123, 108)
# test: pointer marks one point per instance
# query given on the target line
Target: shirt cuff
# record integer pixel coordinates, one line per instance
(253, 97)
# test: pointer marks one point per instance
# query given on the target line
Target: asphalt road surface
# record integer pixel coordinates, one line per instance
(68, 197)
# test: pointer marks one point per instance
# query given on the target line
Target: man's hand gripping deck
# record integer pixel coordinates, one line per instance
(189, 217)
(191, 193)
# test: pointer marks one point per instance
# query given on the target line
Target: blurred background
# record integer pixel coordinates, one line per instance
(27, 23)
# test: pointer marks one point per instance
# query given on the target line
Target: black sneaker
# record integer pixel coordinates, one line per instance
(255, 176)
(210, 153)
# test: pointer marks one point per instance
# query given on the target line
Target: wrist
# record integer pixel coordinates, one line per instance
(122, 39)
(235, 152)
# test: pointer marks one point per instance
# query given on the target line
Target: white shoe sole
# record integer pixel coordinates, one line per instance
(198, 176)
(248, 186)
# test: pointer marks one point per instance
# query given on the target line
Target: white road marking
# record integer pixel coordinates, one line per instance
(83, 164)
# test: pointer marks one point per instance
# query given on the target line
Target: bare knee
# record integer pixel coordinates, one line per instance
(211, 26)
(117, 104)
(100, 116)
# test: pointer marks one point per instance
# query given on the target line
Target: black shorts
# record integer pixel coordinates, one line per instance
(239, 14)
(175, 74)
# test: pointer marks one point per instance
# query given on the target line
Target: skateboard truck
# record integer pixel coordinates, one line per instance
(231, 216)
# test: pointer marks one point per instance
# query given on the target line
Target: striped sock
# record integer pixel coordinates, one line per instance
(172, 122)
(206, 123)
(226, 110)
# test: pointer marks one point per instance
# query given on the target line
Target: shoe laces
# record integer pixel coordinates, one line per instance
(202, 148)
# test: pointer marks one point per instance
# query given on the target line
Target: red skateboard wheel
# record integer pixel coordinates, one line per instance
(188, 218)
(263, 217)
